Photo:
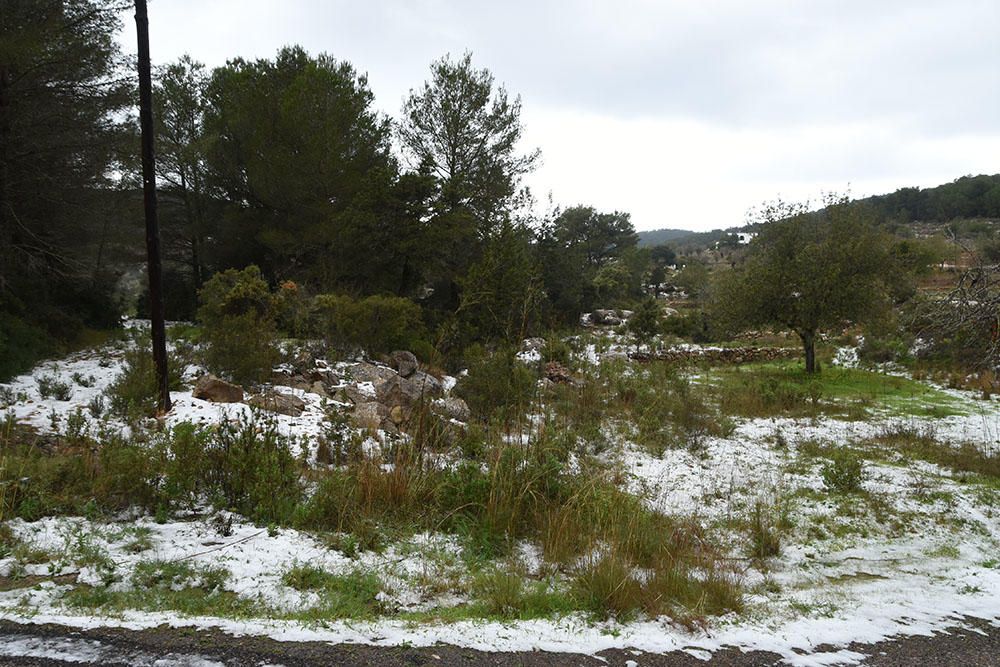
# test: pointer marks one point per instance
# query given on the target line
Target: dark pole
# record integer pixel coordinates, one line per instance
(149, 200)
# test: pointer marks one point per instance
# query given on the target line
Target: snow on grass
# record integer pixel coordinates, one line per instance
(913, 552)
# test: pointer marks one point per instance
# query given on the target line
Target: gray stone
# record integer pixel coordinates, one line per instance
(211, 388)
(406, 392)
(451, 408)
(355, 395)
(606, 317)
(282, 404)
(319, 389)
(369, 415)
(405, 363)
(368, 372)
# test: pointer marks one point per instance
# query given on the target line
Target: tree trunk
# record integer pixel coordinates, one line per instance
(149, 200)
(809, 345)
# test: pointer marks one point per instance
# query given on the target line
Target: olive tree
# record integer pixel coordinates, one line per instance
(810, 271)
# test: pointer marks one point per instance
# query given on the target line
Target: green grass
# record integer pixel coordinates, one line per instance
(169, 586)
(353, 595)
(967, 459)
(783, 388)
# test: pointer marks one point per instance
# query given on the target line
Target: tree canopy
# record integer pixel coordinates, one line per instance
(810, 271)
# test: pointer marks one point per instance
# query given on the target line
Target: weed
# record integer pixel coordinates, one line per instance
(96, 406)
(765, 524)
(82, 380)
(844, 473)
(51, 386)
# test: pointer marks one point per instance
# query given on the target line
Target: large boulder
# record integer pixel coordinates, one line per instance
(408, 391)
(606, 317)
(369, 415)
(283, 404)
(355, 395)
(403, 362)
(211, 388)
(451, 408)
(368, 372)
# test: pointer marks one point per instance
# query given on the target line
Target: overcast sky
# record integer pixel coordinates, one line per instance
(685, 113)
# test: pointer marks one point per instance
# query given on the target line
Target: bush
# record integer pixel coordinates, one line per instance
(51, 386)
(844, 473)
(238, 314)
(376, 324)
(645, 321)
(250, 465)
(241, 348)
(496, 384)
(133, 394)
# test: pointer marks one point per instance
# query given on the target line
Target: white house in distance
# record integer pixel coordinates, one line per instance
(743, 238)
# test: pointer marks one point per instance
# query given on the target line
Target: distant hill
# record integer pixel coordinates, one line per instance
(661, 236)
(964, 198)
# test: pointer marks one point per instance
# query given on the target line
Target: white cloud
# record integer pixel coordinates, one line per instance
(684, 113)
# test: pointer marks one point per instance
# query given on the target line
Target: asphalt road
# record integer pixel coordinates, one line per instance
(976, 645)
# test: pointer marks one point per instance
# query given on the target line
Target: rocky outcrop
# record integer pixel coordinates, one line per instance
(369, 372)
(408, 391)
(369, 414)
(451, 408)
(403, 362)
(606, 317)
(211, 388)
(282, 404)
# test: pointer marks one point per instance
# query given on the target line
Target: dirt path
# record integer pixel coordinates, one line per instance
(52, 645)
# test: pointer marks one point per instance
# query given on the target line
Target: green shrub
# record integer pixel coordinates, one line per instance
(238, 314)
(250, 465)
(844, 473)
(184, 463)
(497, 384)
(133, 393)
(49, 386)
(242, 348)
(645, 321)
(556, 349)
(377, 324)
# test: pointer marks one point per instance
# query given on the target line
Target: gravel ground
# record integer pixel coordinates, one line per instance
(977, 644)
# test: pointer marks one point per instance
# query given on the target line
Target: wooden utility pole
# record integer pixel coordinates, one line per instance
(149, 199)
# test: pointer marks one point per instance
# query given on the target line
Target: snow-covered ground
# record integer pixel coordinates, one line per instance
(917, 552)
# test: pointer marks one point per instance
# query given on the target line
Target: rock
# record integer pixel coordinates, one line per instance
(322, 375)
(211, 388)
(369, 415)
(406, 392)
(397, 415)
(283, 404)
(368, 372)
(303, 360)
(451, 408)
(605, 317)
(405, 363)
(355, 395)
(319, 389)
(298, 382)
